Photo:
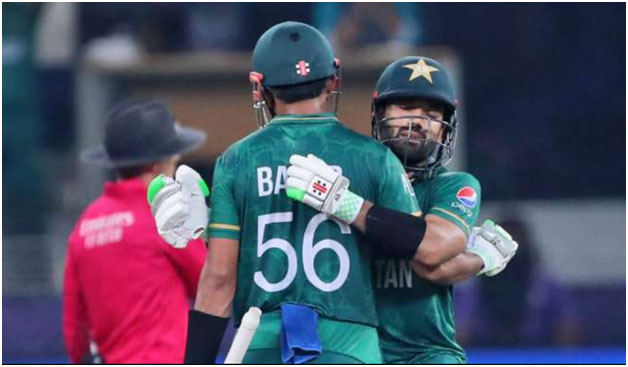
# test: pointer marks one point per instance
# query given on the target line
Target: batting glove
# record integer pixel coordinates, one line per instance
(493, 245)
(312, 182)
(179, 206)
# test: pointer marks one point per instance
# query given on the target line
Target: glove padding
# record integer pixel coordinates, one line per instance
(179, 206)
(493, 245)
(314, 183)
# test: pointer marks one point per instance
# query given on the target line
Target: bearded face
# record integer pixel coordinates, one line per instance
(408, 140)
(413, 131)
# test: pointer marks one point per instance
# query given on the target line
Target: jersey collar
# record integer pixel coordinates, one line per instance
(313, 117)
(418, 176)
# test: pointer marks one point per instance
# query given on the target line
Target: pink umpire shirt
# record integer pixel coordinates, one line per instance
(124, 287)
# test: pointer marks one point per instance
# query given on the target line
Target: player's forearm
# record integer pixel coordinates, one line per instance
(217, 283)
(208, 320)
(216, 289)
(460, 268)
(430, 240)
(215, 292)
(442, 242)
(360, 220)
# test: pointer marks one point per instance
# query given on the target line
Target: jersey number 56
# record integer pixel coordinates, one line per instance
(310, 250)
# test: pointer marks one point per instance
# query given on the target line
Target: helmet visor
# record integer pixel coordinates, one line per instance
(418, 141)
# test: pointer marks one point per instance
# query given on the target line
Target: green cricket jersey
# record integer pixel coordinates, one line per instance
(416, 316)
(288, 251)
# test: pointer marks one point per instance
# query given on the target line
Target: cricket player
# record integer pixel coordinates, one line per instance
(414, 114)
(310, 274)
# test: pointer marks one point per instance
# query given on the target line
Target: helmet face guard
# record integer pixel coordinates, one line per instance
(421, 143)
(335, 94)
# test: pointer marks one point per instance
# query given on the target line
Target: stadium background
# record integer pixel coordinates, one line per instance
(542, 88)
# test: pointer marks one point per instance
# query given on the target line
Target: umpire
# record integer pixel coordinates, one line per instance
(125, 289)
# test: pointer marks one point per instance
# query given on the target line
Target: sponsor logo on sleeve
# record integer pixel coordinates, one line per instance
(467, 196)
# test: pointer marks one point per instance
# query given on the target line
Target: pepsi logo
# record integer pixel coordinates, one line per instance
(467, 196)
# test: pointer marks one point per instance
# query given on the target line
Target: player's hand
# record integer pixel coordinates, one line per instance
(493, 245)
(179, 206)
(314, 183)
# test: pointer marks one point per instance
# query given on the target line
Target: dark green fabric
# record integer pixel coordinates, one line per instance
(249, 203)
(342, 342)
(273, 356)
(438, 358)
(417, 316)
(439, 196)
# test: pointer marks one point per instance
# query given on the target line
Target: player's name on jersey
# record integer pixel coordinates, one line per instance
(393, 274)
(270, 181)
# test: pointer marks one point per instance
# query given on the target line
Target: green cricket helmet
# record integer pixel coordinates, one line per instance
(290, 54)
(416, 79)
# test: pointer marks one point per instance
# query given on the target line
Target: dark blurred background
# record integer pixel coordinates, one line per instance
(543, 97)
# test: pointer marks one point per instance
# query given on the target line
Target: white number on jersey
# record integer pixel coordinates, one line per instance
(310, 250)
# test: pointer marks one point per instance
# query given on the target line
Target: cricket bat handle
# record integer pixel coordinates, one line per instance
(243, 336)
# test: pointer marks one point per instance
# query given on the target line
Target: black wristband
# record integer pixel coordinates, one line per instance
(394, 234)
(205, 333)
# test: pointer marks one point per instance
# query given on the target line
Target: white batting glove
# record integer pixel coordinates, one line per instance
(313, 182)
(493, 245)
(179, 206)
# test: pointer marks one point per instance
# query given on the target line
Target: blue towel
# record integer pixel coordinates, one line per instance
(299, 339)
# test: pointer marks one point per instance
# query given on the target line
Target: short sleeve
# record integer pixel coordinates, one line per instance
(224, 217)
(395, 191)
(456, 197)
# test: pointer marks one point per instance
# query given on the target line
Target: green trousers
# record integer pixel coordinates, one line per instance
(343, 342)
(438, 358)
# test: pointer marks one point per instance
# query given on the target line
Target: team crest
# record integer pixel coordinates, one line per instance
(467, 196)
(303, 68)
(421, 69)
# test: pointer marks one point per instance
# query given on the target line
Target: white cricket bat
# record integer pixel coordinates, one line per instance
(243, 336)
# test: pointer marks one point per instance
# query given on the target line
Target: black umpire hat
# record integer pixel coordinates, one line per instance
(139, 132)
